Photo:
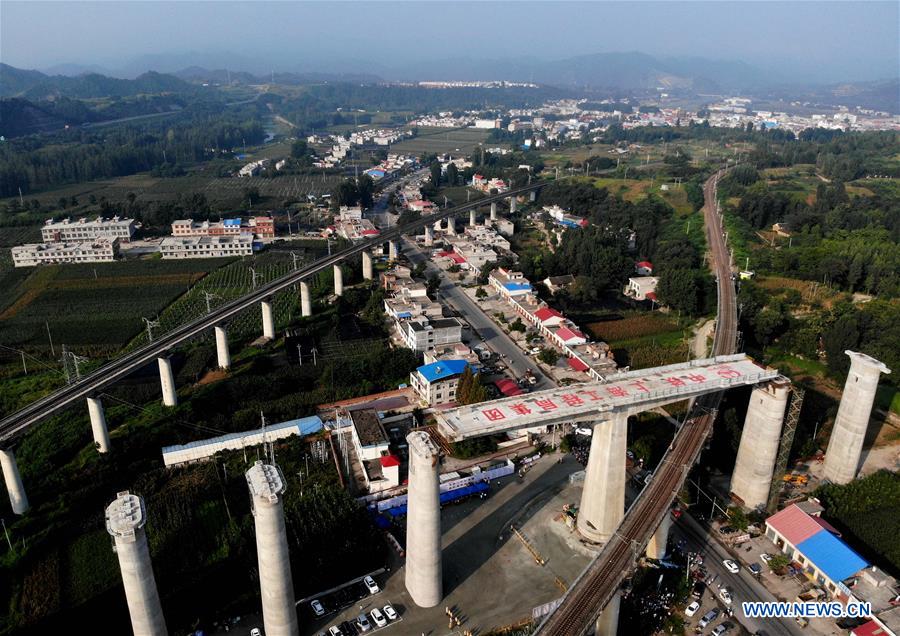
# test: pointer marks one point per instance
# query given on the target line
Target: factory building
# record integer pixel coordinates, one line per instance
(87, 230)
(207, 246)
(96, 251)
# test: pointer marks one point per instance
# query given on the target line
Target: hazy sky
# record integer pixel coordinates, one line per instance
(841, 40)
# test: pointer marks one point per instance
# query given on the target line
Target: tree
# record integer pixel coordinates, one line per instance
(435, 173)
(408, 216)
(517, 325)
(480, 294)
(778, 562)
(432, 284)
(737, 518)
(470, 390)
(365, 186)
(452, 174)
(299, 149)
(548, 356)
(251, 195)
(678, 289)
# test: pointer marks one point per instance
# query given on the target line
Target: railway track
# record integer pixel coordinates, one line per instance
(597, 584)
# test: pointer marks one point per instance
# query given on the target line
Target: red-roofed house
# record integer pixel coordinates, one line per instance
(577, 364)
(870, 628)
(568, 336)
(643, 268)
(549, 317)
(421, 206)
(794, 525)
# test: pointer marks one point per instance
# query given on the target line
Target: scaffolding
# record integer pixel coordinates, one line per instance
(784, 447)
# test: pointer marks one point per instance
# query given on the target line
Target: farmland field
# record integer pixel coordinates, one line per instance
(460, 141)
(92, 308)
(634, 190)
(643, 340)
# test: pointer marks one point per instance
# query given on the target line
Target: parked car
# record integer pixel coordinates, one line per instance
(335, 631)
(371, 585)
(584, 430)
(699, 589)
(707, 618)
(754, 568)
(378, 618)
(691, 609)
(725, 595)
(362, 621)
(317, 607)
(721, 629)
(731, 566)
(390, 612)
(255, 632)
(765, 557)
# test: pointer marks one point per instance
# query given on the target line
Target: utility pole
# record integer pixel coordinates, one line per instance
(294, 257)
(23, 363)
(209, 297)
(50, 338)
(150, 325)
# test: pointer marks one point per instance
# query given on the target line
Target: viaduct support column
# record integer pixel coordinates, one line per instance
(451, 226)
(603, 497)
(423, 522)
(493, 210)
(276, 585)
(305, 300)
(429, 235)
(845, 445)
(267, 320)
(222, 353)
(752, 476)
(512, 205)
(17, 497)
(125, 520)
(532, 196)
(608, 621)
(367, 269)
(338, 281)
(472, 219)
(167, 381)
(98, 425)
(656, 548)
(393, 250)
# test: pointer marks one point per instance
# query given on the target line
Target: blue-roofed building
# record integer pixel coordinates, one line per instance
(436, 383)
(829, 558)
(232, 222)
(510, 284)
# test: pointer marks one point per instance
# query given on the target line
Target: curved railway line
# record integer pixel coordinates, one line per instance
(595, 587)
(15, 424)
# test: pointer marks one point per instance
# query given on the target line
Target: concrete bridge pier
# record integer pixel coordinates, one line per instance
(305, 300)
(429, 235)
(268, 321)
(98, 424)
(845, 445)
(608, 621)
(512, 205)
(451, 226)
(266, 485)
(493, 210)
(656, 548)
(18, 500)
(603, 498)
(393, 250)
(472, 218)
(752, 476)
(167, 382)
(125, 521)
(367, 268)
(423, 522)
(223, 355)
(532, 196)
(338, 281)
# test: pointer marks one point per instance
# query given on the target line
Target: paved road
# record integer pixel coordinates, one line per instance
(743, 586)
(493, 335)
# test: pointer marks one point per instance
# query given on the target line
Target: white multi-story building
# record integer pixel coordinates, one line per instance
(424, 334)
(87, 230)
(99, 251)
(436, 383)
(262, 226)
(207, 246)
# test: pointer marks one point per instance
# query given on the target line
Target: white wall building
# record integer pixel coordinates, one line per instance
(424, 334)
(98, 251)
(207, 246)
(86, 230)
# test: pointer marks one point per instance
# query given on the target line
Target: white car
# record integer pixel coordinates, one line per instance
(371, 585)
(584, 430)
(731, 566)
(691, 609)
(378, 618)
(334, 631)
(725, 595)
(255, 632)
(390, 612)
(317, 608)
(765, 557)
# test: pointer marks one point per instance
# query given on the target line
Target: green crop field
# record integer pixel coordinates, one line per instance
(458, 141)
(92, 308)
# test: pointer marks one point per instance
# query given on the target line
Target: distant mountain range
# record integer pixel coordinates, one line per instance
(34, 85)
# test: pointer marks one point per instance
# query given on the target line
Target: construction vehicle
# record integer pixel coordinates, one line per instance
(797, 480)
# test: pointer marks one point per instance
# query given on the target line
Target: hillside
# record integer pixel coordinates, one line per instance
(20, 117)
(34, 85)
